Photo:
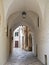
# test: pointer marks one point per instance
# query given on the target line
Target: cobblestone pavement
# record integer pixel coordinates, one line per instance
(21, 57)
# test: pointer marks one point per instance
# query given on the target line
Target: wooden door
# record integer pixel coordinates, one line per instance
(16, 44)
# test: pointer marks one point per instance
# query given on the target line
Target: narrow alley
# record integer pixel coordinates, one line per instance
(24, 32)
(21, 57)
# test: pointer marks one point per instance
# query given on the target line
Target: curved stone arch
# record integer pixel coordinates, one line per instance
(14, 20)
(20, 24)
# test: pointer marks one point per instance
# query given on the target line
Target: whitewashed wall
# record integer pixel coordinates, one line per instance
(42, 37)
(3, 37)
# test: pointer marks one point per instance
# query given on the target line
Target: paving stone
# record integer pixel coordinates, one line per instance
(21, 57)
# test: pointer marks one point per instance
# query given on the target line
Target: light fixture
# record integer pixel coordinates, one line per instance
(24, 14)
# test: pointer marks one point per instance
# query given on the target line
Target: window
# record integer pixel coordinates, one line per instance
(16, 33)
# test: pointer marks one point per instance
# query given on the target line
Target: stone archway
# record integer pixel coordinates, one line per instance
(32, 6)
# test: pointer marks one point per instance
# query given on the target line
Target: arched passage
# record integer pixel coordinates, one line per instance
(31, 20)
(34, 19)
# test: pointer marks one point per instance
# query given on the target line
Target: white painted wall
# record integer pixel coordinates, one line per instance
(20, 45)
(15, 38)
(3, 38)
(42, 37)
(19, 37)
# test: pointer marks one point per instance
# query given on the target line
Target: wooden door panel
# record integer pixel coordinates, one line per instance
(16, 44)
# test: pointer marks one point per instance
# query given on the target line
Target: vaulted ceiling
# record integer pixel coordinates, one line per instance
(14, 8)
